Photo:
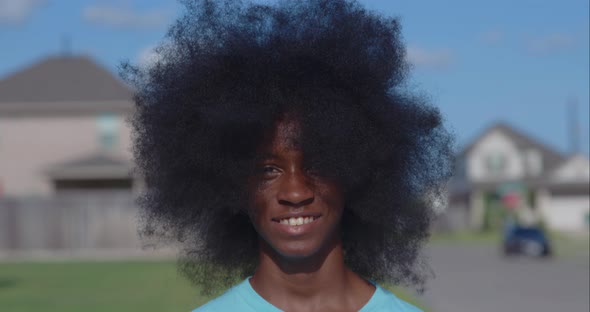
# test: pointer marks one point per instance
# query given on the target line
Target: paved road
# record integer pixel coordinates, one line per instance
(478, 279)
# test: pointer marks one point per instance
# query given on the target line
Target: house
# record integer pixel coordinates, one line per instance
(504, 169)
(62, 128)
(66, 182)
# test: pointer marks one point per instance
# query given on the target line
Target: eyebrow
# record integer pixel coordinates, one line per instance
(266, 156)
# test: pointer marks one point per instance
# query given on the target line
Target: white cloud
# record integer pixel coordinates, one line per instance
(16, 11)
(434, 59)
(552, 43)
(125, 17)
(492, 37)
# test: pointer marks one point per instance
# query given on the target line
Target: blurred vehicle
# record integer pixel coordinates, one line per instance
(528, 241)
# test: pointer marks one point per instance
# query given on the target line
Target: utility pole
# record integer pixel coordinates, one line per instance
(573, 125)
(66, 46)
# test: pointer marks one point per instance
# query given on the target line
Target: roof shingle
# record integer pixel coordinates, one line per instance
(63, 79)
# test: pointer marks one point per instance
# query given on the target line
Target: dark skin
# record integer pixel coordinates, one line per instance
(301, 266)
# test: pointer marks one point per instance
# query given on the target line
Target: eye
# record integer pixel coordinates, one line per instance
(269, 171)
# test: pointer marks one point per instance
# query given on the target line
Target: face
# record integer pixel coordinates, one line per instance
(295, 212)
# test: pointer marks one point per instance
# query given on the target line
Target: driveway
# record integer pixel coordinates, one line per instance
(477, 278)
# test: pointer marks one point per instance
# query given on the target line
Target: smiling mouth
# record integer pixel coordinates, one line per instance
(296, 221)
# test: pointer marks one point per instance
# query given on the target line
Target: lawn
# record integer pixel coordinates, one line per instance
(113, 286)
(563, 244)
(95, 286)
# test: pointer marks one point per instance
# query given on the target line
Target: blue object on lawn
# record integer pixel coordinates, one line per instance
(529, 241)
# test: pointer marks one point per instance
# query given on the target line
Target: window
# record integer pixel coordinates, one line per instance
(108, 127)
(496, 163)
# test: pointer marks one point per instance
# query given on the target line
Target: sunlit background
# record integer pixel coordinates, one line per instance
(510, 77)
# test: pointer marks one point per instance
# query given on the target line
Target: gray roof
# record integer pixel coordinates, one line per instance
(64, 84)
(100, 165)
(551, 157)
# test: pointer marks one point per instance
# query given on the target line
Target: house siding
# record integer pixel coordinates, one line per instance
(30, 145)
(567, 212)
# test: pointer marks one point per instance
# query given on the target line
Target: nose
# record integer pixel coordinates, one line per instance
(295, 191)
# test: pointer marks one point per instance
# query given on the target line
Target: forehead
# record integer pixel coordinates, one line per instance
(285, 136)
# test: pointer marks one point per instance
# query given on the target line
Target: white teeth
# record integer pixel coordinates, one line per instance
(297, 221)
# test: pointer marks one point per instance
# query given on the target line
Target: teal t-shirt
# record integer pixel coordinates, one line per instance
(244, 298)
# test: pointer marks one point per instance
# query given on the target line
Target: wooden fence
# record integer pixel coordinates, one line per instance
(76, 221)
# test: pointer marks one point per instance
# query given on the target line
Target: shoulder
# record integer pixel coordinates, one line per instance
(384, 300)
(241, 297)
(226, 302)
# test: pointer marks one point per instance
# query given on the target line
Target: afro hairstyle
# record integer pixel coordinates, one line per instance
(226, 72)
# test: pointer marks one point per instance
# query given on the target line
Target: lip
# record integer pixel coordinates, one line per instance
(297, 230)
(296, 215)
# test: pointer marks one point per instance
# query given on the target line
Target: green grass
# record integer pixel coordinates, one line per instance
(113, 286)
(571, 246)
(564, 245)
(95, 286)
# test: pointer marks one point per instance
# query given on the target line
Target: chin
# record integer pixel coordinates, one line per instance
(294, 255)
(297, 250)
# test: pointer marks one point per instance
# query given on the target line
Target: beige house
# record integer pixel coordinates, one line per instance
(62, 128)
(66, 182)
(503, 164)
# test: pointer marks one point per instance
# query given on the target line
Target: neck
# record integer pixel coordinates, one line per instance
(317, 283)
(301, 277)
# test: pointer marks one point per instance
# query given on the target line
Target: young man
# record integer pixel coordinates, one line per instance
(279, 146)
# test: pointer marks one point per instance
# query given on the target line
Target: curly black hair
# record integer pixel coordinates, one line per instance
(226, 72)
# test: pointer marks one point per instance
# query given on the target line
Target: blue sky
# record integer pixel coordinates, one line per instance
(480, 62)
